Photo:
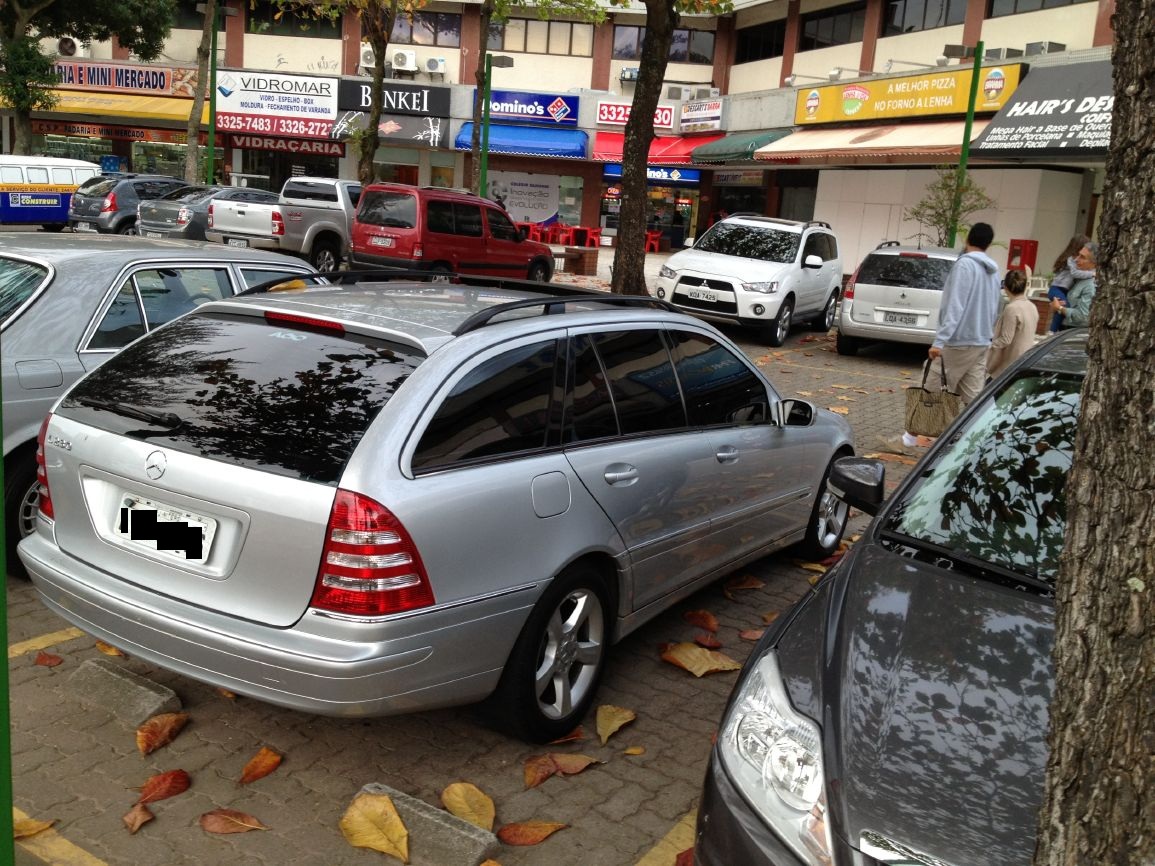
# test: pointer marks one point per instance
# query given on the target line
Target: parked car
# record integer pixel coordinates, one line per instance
(69, 302)
(311, 218)
(184, 212)
(898, 713)
(894, 295)
(398, 225)
(381, 498)
(760, 272)
(107, 203)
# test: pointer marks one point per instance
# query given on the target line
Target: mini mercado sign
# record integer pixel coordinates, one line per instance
(112, 131)
(660, 173)
(931, 94)
(126, 78)
(550, 109)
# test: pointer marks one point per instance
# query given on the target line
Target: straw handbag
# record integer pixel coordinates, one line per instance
(929, 413)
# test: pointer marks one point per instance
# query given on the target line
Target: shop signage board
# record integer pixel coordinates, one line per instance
(1058, 111)
(397, 97)
(617, 113)
(527, 197)
(739, 177)
(928, 95)
(295, 106)
(105, 130)
(288, 145)
(549, 109)
(395, 127)
(660, 173)
(705, 116)
(126, 78)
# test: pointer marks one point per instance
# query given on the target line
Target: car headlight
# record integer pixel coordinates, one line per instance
(667, 273)
(765, 288)
(774, 756)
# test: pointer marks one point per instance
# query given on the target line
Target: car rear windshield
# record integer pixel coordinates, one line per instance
(275, 396)
(97, 186)
(751, 242)
(18, 282)
(389, 209)
(997, 493)
(915, 271)
(189, 194)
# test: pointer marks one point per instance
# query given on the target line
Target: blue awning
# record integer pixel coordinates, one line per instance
(528, 140)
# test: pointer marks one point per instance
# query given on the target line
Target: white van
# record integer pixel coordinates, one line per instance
(37, 190)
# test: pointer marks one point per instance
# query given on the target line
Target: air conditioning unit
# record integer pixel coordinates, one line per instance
(405, 61)
(1003, 53)
(66, 46)
(629, 73)
(435, 65)
(679, 93)
(1045, 47)
(707, 93)
(368, 56)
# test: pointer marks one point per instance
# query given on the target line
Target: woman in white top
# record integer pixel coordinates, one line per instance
(1016, 326)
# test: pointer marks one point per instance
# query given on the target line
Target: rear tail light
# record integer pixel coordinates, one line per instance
(307, 322)
(210, 216)
(183, 216)
(278, 224)
(848, 292)
(370, 566)
(109, 203)
(42, 472)
(914, 255)
(418, 251)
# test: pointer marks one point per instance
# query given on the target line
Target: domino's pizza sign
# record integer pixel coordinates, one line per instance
(548, 109)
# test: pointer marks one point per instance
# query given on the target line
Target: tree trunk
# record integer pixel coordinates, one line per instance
(377, 25)
(629, 277)
(21, 134)
(192, 157)
(1099, 797)
(479, 100)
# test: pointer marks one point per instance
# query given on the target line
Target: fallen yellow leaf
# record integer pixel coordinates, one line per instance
(529, 832)
(804, 393)
(768, 618)
(839, 410)
(611, 719)
(811, 566)
(109, 650)
(469, 803)
(159, 731)
(697, 660)
(635, 750)
(371, 821)
(26, 827)
(260, 765)
(571, 765)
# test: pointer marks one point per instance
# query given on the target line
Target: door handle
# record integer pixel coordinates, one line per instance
(621, 474)
(727, 454)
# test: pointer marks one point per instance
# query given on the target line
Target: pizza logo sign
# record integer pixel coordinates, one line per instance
(812, 100)
(558, 109)
(854, 96)
(994, 84)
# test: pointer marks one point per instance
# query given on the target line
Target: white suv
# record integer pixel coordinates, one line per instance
(758, 271)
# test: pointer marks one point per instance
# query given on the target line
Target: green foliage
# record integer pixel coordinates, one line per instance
(26, 76)
(936, 210)
(141, 26)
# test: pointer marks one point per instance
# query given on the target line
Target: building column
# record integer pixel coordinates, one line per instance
(350, 42)
(1104, 32)
(119, 52)
(725, 48)
(872, 27)
(973, 25)
(235, 26)
(793, 31)
(470, 37)
(603, 55)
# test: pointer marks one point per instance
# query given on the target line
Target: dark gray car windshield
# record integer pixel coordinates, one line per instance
(276, 396)
(996, 494)
(912, 270)
(390, 209)
(18, 282)
(751, 242)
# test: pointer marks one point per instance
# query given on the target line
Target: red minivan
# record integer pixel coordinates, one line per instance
(398, 225)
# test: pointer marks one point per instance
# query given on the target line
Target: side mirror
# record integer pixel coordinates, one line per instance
(794, 413)
(812, 261)
(858, 482)
(688, 242)
(521, 235)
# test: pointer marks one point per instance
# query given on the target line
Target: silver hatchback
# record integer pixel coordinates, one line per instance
(377, 498)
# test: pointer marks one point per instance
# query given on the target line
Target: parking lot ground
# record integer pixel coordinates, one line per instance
(75, 764)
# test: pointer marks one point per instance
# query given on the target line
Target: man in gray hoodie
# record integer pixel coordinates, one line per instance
(967, 314)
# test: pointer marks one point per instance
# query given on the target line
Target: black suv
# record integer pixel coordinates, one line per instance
(107, 203)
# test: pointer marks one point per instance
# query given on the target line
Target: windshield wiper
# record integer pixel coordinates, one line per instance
(168, 420)
(988, 570)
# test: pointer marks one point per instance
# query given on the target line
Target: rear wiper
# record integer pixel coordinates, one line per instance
(163, 419)
(988, 570)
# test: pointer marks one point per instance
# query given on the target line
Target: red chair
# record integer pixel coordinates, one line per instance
(594, 236)
(653, 240)
(538, 233)
(565, 235)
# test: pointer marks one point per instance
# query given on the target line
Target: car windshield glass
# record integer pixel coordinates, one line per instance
(908, 271)
(390, 209)
(269, 395)
(996, 493)
(751, 242)
(97, 186)
(189, 194)
(18, 281)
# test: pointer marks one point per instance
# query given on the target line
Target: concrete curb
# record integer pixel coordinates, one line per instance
(128, 696)
(437, 838)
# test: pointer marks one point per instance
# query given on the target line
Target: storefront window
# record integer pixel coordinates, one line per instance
(569, 200)
(72, 147)
(154, 157)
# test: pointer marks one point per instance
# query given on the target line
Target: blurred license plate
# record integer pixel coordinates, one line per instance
(381, 242)
(900, 318)
(702, 295)
(238, 242)
(83, 227)
(165, 529)
(154, 234)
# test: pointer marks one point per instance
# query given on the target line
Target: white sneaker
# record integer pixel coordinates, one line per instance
(909, 439)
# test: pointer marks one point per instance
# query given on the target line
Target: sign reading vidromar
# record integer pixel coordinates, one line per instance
(298, 106)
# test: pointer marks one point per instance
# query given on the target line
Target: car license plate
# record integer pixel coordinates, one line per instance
(168, 530)
(154, 234)
(238, 242)
(702, 295)
(900, 318)
(381, 242)
(83, 227)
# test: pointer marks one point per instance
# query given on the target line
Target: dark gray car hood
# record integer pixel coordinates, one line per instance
(937, 692)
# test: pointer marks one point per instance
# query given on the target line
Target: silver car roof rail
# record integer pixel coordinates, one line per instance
(409, 275)
(554, 305)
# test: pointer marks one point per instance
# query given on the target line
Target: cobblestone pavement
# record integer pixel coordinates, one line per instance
(78, 765)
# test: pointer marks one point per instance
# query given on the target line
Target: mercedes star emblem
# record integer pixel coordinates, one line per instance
(155, 464)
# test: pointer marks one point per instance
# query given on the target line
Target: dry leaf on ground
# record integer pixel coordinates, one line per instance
(109, 650)
(537, 769)
(48, 660)
(229, 821)
(611, 719)
(371, 821)
(571, 765)
(137, 817)
(469, 803)
(576, 734)
(528, 832)
(804, 393)
(753, 634)
(697, 660)
(164, 785)
(839, 410)
(685, 858)
(811, 566)
(736, 583)
(260, 765)
(225, 693)
(768, 618)
(702, 619)
(707, 640)
(635, 750)
(26, 827)
(159, 731)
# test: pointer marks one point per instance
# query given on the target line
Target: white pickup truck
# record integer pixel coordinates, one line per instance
(312, 220)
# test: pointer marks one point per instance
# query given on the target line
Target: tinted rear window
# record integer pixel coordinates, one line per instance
(916, 272)
(244, 391)
(97, 186)
(189, 194)
(389, 209)
(18, 281)
(751, 242)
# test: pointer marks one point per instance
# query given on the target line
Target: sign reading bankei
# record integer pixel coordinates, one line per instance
(617, 113)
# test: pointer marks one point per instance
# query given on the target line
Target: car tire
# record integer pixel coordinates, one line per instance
(552, 674)
(128, 228)
(21, 500)
(325, 257)
(847, 345)
(538, 272)
(824, 321)
(828, 520)
(779, 329)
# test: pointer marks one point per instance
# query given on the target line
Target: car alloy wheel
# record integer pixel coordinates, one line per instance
(780, 328)
(827, 520)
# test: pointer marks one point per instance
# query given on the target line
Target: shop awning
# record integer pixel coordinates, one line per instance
(1058, 111)
(737, 146)
(126, 105)
(528, 140)
(874, 144)
(663, 151)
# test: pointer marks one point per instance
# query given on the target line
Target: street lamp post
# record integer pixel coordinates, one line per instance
(502, 62)
(212, 136)
(964, 155)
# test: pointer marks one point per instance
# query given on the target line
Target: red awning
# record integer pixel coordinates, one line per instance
(663, 151)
